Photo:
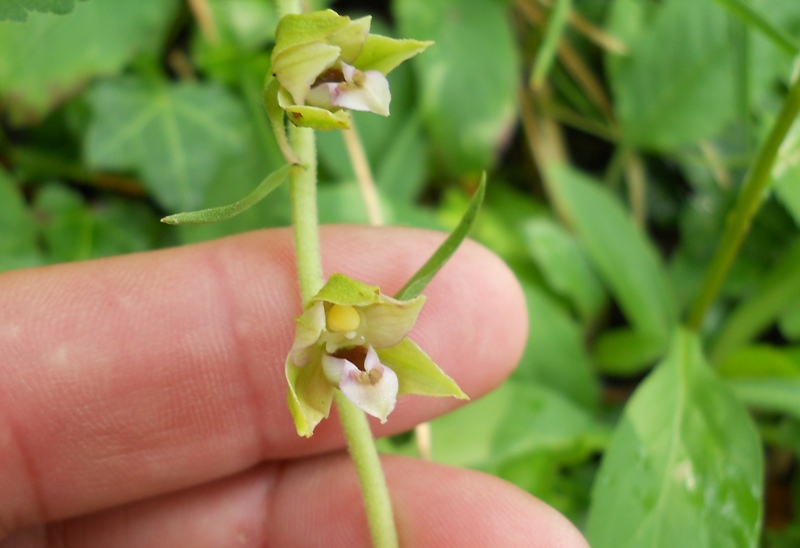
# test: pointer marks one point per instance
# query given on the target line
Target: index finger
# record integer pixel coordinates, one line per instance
(137, 375)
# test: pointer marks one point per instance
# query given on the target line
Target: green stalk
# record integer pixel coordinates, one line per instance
(303, 195)
(305, 220)
(377, 502)
(750, 197)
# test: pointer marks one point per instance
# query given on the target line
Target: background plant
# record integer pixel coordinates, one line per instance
(618, 136)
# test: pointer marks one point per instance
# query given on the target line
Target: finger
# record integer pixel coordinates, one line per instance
(138, 375)
(316, 502)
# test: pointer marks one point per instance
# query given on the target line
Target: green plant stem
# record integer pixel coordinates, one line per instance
(303, 193)
(750, 198)
(377, 503)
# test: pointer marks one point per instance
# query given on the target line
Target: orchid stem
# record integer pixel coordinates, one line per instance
(303, 194)
(377, 502)
(305, 220)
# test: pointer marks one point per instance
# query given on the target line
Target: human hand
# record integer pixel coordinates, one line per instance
(142, 401)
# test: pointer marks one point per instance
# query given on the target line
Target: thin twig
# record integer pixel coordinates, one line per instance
(366, 183)
(205, 20)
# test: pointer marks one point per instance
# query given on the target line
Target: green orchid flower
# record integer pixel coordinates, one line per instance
(353, 338)
(327, 64)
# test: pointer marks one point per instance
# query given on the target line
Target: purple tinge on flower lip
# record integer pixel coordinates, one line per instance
(366, 91)
(353, 338)
(370, 385)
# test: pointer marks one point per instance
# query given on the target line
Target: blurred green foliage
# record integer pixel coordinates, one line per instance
(610, 181)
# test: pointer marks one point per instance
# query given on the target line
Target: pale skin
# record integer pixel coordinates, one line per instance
(142, 401)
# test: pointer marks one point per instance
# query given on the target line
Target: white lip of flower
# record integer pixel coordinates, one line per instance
(373, 389)
(367, 91)
(353, 338)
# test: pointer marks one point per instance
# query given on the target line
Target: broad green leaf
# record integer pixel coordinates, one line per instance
(223, 213)
(75, 230)
(426, 272)
(630, 267)
(775, 292)
(50, 57)
(18, 238)
(555, 355)
(563, 264)
(17, 10)
(467, 81)
(517, 419)
(175, 136)
(684, 467)
(675, 85)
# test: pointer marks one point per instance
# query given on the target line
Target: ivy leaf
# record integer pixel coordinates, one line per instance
(51, 57)
(173, 135)
(17, 10)
(684, 466)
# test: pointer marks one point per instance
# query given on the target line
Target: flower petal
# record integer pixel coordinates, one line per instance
(298, 67)
(374, 391)
(309, 396)
(418, 373)
(385, 54)
(370, 94)
(390, 321)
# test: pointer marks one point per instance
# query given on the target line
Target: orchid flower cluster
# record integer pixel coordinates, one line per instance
(351, 342)
(350, 337)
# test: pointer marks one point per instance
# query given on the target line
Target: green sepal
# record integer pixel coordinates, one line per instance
(298, 29)
(384, 54)
(313, 117)
(222, 213)
(417, 373)
(299, 67)
(350, 38)
(309, 397)
(425, 274)
(276, 117)
(343, 290)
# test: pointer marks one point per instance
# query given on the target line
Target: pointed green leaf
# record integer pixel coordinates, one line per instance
(417, 373)
(684, 467)
(215, 214)
(51, 57)
(629, 265)
(546, 53)
(425, 274)
(174, 135)
(564, 266)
